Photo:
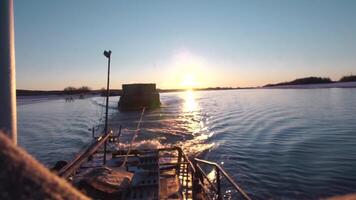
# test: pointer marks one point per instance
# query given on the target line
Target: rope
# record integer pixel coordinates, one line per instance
(134, 137)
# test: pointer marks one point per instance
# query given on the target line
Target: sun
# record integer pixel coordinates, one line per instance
(188, 81)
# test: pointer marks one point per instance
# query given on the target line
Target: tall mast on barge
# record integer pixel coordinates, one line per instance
(108, 55)
(8, 118)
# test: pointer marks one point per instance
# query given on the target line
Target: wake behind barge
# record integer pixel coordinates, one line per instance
(151, 174)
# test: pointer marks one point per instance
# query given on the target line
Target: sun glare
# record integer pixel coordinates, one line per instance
(189, 81)
(188, 70)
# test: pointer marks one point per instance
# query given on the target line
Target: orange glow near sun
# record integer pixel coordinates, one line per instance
(188, 81)
(186, 70)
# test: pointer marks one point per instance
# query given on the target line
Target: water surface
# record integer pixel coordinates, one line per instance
(277, 143)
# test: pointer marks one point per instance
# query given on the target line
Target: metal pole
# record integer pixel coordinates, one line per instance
(7, 70)
(179, 164)
(194, 183)
(218, 184)
(118, 136)
(107, 105)
(119, 131)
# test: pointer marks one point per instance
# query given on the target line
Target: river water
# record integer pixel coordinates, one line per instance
(277, 143)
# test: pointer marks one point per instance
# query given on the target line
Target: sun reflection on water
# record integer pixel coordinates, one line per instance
(194, 124)
(191, 114)
(190, 104)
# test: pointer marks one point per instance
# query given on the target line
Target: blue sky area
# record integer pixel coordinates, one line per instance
(180, 44)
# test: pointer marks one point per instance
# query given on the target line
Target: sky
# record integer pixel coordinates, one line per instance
(182, 44)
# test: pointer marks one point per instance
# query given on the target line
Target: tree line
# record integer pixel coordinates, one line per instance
(314, 80)
(74, 90)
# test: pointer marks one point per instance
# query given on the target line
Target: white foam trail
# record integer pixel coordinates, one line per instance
(143, 144)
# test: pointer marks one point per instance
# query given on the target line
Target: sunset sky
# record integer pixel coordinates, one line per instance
(181, 44)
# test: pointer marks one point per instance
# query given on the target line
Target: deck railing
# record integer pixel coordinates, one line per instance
(200, 178)
(83, 157)
(220, 173)
(193, 179)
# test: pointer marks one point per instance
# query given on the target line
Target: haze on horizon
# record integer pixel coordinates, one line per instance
(179, 44)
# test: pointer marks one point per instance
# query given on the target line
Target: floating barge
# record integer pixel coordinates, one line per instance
(139, 95)
(151, 174)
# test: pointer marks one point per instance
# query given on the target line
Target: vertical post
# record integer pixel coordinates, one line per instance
(8, 117)
(93, 132)
(193, 183)
(118, 136)
(108, 55)
(179, 164)
(218, 182)
(119, 131)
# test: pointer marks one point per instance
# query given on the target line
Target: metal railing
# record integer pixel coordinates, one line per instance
(191, 170)
(200, 178)
(186, 170)
(219, 173)
(83, 157)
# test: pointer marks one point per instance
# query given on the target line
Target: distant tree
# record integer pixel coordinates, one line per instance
(73, 90)
(310, 80)
(84, 89)
(70, 90)
(304, 81)
(103, 91)
(350, 78)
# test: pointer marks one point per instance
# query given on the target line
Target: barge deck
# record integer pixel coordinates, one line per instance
(165, 173)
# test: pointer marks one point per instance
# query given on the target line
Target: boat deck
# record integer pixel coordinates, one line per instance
(156, 174)
(152, 174)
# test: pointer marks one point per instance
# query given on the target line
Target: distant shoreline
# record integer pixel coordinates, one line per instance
(314, 86)
(117, 92)
(113, 92)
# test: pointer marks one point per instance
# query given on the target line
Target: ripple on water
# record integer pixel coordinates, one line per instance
(278, 144)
